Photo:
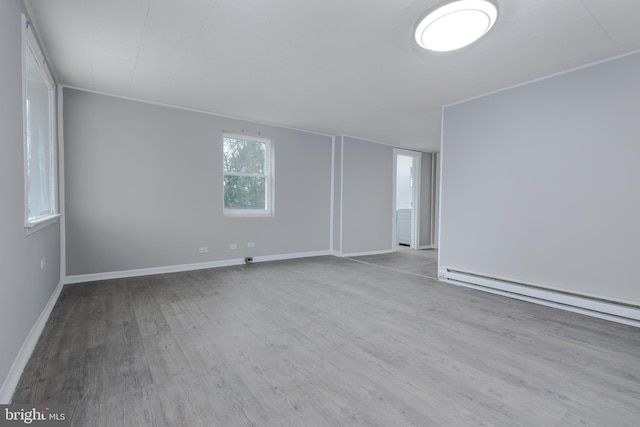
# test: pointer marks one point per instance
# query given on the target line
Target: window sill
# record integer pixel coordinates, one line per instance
(32, 227)
(247, 213)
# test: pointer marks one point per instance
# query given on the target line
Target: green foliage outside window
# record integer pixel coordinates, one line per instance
(245, 173)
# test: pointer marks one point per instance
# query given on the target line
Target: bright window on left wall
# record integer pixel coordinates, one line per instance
(39, 128)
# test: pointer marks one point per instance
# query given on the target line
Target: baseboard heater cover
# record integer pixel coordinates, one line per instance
(616, 311)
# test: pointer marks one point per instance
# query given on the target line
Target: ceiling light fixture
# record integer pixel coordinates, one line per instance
(455, 25)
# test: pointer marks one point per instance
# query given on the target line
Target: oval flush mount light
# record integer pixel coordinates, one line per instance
(456, 25)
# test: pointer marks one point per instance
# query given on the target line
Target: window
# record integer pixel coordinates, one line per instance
(248, 173)
(39, 135)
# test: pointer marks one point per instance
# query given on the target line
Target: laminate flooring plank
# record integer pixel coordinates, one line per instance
(305, 382)
(315, 368)
(224, 386)
(147, 308)
(280, 297)
(234, 353)
(423, 262)
(533, 347)
(221, 387)
(129, 369)
(251, 341)
(326, 341)
(370, 353)
(61, 350)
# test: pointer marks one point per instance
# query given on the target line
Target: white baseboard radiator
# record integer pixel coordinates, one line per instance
(615, 311)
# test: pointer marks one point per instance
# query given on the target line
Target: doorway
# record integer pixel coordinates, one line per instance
(406, 199)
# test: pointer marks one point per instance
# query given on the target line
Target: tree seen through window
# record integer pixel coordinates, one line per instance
(246, 173)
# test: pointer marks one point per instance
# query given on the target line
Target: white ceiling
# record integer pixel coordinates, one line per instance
(329, 66)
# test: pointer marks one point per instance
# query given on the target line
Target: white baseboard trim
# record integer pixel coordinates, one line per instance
(426, 247)
(281, 257)
(388, 251)
(29, 344)
(583, 304)
(82, 278)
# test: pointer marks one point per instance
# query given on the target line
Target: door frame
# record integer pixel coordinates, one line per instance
(415, 210)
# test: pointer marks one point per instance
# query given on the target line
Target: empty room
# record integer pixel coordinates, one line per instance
(320, 213)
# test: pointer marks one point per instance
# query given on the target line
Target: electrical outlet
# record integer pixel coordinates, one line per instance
(251, 244)
(203, 250)
(233, 246)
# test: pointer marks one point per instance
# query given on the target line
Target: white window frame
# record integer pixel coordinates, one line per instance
(268, 176)
(30, 43)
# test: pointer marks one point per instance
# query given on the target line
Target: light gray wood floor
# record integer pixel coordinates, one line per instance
(422, 262)
(326, 342)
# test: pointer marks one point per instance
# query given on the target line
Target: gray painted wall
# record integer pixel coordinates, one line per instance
(337, 193)
(367, 185)
(541, 183)
(425, 199)
(25, 289)
(436, 199)
(144, 187)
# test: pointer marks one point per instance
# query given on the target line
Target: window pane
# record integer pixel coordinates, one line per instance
(244, 156)
(38, 150)
(244, 192)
